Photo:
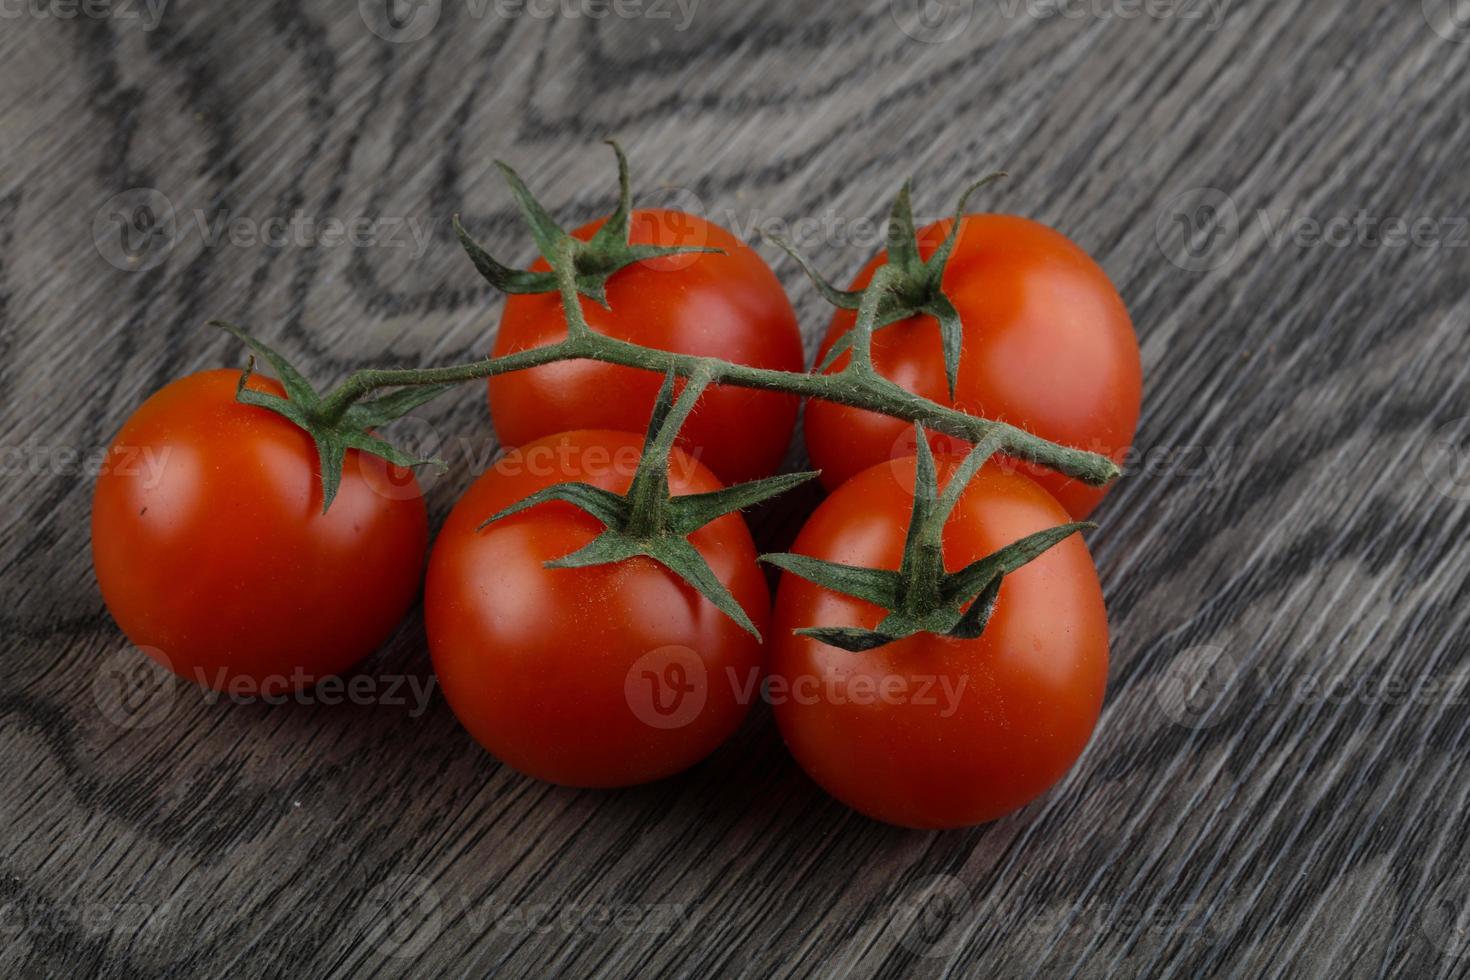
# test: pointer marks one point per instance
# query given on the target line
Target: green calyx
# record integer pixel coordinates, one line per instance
(914, 286)
(594, 260)
(334, 433)
(648, 520)
(921, 597)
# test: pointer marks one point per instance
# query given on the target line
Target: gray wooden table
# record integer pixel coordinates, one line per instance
(1277, 786)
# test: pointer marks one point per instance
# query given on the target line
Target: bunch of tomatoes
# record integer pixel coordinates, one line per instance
(224, 566)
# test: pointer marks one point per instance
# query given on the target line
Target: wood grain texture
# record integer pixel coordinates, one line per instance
(1277, 785)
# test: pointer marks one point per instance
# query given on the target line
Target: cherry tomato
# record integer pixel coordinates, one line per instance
(931, 731)
(603, 676)
(1047, 347)
(213, 553)
(727, 305)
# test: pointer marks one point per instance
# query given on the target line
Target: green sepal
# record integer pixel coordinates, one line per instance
(384, 409)
(502, 277)
(606, 506)
(888, 313)
(977, 617)
(614, 230)
(918, 286)
(876, 585)
(940, 258)
(648, 521)
(951, 335)
(903, 240)
(843, 299)
(298, 389)
(683, 559)
(974, 578)
(695, 510)
(543, 226)
(302, 406)
(851, 639)
(607, 548)
(921, 597)
(595, 260)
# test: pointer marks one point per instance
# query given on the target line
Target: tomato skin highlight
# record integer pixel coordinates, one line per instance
(729, 306)
(1048, 347)
(970, 729)
(545, 667)
(213, 554)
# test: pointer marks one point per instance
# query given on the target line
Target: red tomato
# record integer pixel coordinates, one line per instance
(1047, 347)
(729, 306)
(929, 731)
(213, 553)
(603, 676)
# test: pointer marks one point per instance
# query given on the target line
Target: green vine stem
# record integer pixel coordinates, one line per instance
(857, 384)
(581, 268)
(920, 596)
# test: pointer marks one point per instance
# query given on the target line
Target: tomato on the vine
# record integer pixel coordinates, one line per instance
(729, 306)
(1047, 346)
(600, 676)
(214, 556)
(932, 731)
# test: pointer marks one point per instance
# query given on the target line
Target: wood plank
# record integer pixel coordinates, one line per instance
(1297, 522)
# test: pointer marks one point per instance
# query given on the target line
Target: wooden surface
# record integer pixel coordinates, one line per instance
(1277, 786)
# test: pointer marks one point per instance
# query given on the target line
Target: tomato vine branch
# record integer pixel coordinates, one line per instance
(648, 520)
(580, 269)
(857, 384)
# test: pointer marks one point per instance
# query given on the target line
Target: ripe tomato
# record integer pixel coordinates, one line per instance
(1047, 347)
(930, 731)
(213, 553)
(603, 676)
(729, 306)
